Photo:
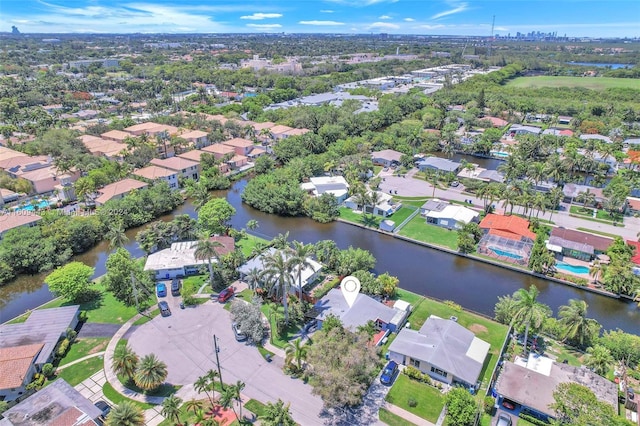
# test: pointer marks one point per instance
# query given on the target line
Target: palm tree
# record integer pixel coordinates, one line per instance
(230, 395)
(203, 384)
(528, 311)
(125, 414)
(277, 414)
(554, 197)
(237, 394)
(199, 193)
(116, 236)
(206, 250)
(193, 405)
(296, 352)
(252, 224)
(595, 271)
(586, 197)
(151, 373)
(599, 358)
(253, 278)
(125, 361)
(300, 260)
(171, 408)
(277, 271)
(573, 318)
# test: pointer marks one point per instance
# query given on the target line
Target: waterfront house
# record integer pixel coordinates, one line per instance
(437, 164)
(196, 156)
(364, 309)
(12, 220)
(240, 146)
(334, 185)
(386, 157)
(155, 173)
(449, 216)
(177, 261)
(186, 169)
(118, 190)
(528, 384)
(443, 349)
(577, 244)
(384, 204)
(507, 238)
(57, 404)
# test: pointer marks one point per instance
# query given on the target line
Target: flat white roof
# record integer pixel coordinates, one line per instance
(478, 350)
(177, 256)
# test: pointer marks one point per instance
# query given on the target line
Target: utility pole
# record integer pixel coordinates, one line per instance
(217, 349)
(493, 23)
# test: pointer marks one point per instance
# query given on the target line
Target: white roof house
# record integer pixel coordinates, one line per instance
(176, 261)
(334, 185)
(451, 216)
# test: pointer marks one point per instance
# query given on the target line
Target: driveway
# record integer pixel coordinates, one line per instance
(184, 341)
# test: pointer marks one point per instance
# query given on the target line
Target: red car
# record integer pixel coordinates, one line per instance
(226, 294)
(508, 405)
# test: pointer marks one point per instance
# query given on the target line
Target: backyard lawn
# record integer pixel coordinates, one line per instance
(76, 373)
(429, 399)
(359, 218)
(419, 230)
(400, 216)
(84, 347)
(247, 244)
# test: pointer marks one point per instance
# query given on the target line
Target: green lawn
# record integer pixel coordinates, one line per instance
(276, 340)
(76, 373)
(418, 229)
(399, 216)
(391, 419)
(596, 83)
(165, 389)
(84, 347)
(490, 331)
(194, 282)
(429, 399)
(600, 214)
(145, 319)
(115, 397)
(256, 407)
(247, 244)
(359, 218)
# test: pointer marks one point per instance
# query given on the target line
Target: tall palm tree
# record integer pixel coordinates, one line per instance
(125, 361)
(116, 236)
(599, 358)
(206, 250)
(595, 271)
(253, 278)
(528, 311)
(151, 373)
(277, 271)
(237, 394)
(295, 351)
(171, 408)
(277, 414)
(193, 405)
(573, 318)
(125, 414)
(300, 260)
(202, 384)
(586, 198)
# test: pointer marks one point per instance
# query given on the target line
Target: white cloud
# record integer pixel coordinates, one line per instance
(385, 17)
(264, 26)
(261, 16)
(409, 19)
(326, 11)
(384, 25)
(359, 3)
(432, 27)
(324, 23)
(457, 8)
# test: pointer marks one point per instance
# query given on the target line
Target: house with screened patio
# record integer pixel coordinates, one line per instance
(506, 238)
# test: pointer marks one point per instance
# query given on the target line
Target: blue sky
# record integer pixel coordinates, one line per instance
(596, 18)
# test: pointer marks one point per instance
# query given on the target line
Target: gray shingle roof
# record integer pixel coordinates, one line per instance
(439, 163)
(364, 309)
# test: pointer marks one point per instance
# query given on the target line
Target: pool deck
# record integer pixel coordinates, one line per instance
(575, 262)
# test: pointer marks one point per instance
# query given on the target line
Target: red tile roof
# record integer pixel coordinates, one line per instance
(513, 225)
(597, 242)
(636, 256)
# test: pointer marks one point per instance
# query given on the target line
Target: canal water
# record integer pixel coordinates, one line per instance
(474, 285)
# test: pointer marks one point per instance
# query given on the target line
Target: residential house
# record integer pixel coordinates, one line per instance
(7, 196)
(17, 219)
(116, 135)
(632, 143)
(57, 404)
(635, 258)
(280, 132)
(557, 132)
(437, 164)
(219, 150)
(17, 367)
(597, 137)
(443, 349)
(364, 309)
(197, 138)
(237, 162)
(632, 206)
(571, 191)
(386, 157)
(196, 156)
(159, 133)
(155, 173)
(519, 129)
(8, 153)
(107, 148)
(529, 384)
(577, 244)
(564, 120)
(186, 169)
(308, 275)
(240, 146)
(383, 205)
(296, 132)
(446, 215)
(480, 173)
(262, 130)
(507, 238)
(38, 170)
(117, 190)
(334, 185)
(495, 121)
(180, 260)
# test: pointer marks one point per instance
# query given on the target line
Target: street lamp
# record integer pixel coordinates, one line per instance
(216, 349)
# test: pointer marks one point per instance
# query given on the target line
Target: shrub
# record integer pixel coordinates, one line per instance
(453, 305)
(83, 316)
(489, 402)
(62, 348)
(411, 402)
(71, 335)
(281, 327)
(533, 420)
(37, 382)
(47, 369)
(415, 374)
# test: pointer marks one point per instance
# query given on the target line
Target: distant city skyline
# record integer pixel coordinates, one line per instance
(575, 18)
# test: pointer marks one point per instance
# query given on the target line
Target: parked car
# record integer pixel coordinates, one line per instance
(240, 336)
(161, 289)
(504, 420)
(103, 407)
(164, 309)
(389, 373)
(175, 287)
(454, 184)
(226, 294)
(508, 405)
(630, 394)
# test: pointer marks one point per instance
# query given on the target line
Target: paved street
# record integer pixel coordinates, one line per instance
(184, 341)
(413, 187)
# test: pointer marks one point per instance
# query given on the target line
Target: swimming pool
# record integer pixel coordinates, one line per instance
(500, 154)
(572, 268)
(505, 253)
(43, 204)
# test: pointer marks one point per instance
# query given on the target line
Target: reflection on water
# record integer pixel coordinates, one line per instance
(472, 284)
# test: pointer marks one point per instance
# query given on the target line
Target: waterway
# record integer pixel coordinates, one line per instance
(472, 284)
(594, 64)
